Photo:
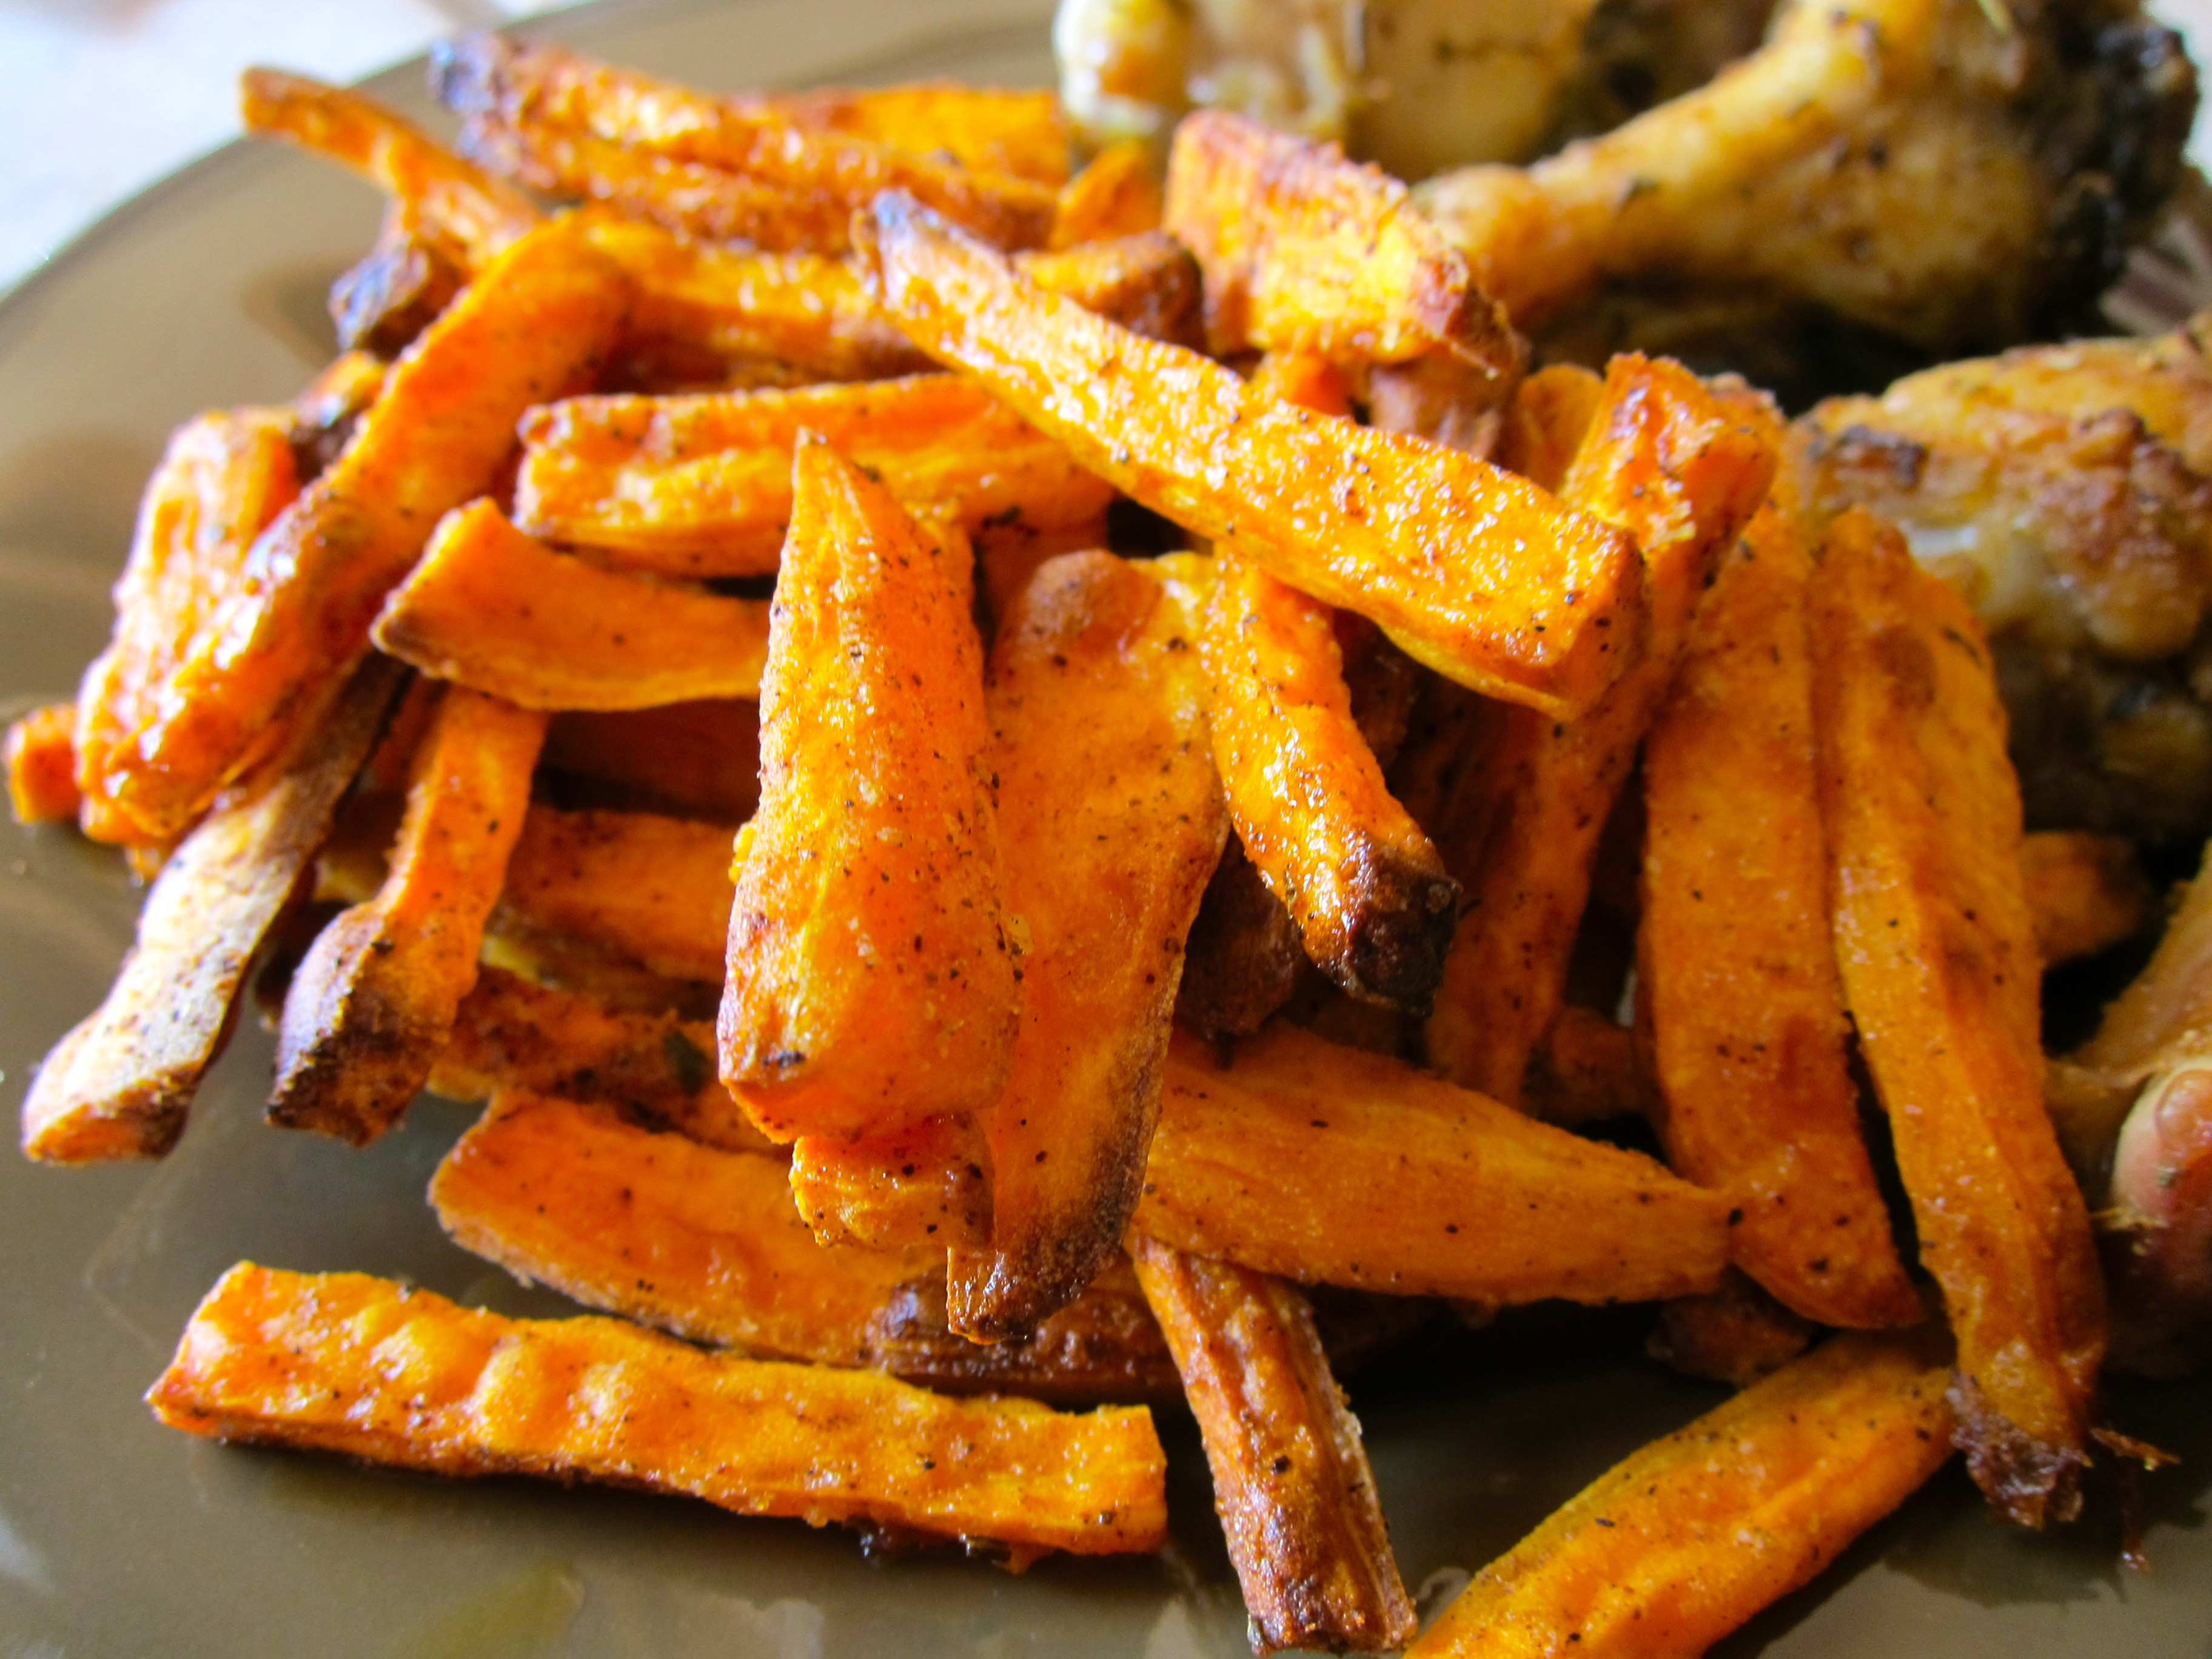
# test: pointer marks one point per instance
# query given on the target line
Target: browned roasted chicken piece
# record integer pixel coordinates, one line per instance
(2068, 490)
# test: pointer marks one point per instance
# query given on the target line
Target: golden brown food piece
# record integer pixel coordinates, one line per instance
(924, 1184)
(374, 1000)
(1290, 1479)
(1584, 1072)
(1244, 957)
(2085, 892)
(693, 760)
(1680, 466)
(120, 1084)
(1370, 895)
(1147, 282)
(721, 169)
(40, 756)
(1325, 1164)
(1736, 973)
(701, 485)
(223, 476)
(1550, 416)
(1111, 820)
(344, 1363)
(533, 326)
(497, 610)
(1670, 1550)
(1115, 195)
(870, 977)
(653, 890)
(1940, 973)
(655, 1066)
(1735, 1334)
(1472, 571)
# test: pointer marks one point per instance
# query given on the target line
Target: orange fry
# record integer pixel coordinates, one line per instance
(652, 889)
(1939, 970)
(374, 1000)
(497, 610)
(1115, 195)
(693, 760)
(2086, 892)
(1478, 574)
(1585, 1073)
(344, 1363)
(922, 1183)
(40, 756)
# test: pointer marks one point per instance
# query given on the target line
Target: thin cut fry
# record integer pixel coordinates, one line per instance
(40, 756)
(1477, 573)
(497, 610)
(344, 1363)
(1111, 820)
(373, 1001)
(1940, 968)
(1669, 1551)
(1115, 195)
(655, 890)
(120, 1084)
(871, 981)
(2086, 892)
(1291, 1478)
(1329, 1165)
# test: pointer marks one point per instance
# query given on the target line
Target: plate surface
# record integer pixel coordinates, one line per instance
(118, 1537)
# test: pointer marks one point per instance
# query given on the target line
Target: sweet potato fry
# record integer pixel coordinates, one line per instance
(533, 326)
(1475, 573)
(2085, 892)
(373, 1001)
(701, 485)
(1115, 195)
(693, 760)
(1291, 1478)
(120, 1084)
(653, 890)
(1147, 282)
(497, 610)
(1370, 895)
(1739, 983)
(653, 1067)
(871, 978)
(1735, 1334)
(1111, 820)
(1939, 970)
(1681, 467)
(1584, 1072)
(1552, 413)
(922, 1183)
(1667, 1552)
(381, 304)
(1244, 958)
(40, 756)
(2168, 1004)
(1325, 1164)
(344, 1363)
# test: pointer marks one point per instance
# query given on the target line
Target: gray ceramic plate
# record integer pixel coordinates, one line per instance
(118, 1537)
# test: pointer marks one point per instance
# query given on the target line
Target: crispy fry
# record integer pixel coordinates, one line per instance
(653, 890)
(1681, 467)
(1584, 1072)
(397, 290)
(2166, 1004)
(1470, 570)
(1669, 1551)
(374, 1000)
(532, 327)
(653, 1067)
(702, 486)
(1291, 1478)
(1737, 1335)
(871, 979)
(1244, 958)
(1325, 1164)
(1370, 897)
(2085, 892)
(493, 609)
(1738, 979)
(344, 1363)
(923, 1183)
(40, 756)
(1008, 555)
(1147, 282)
(695, 760)
(1938, 957)
(1111, 820)
(1306, 379)
(120, 1084)
(1115, 195)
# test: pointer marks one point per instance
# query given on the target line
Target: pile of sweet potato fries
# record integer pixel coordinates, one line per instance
(1113, 942)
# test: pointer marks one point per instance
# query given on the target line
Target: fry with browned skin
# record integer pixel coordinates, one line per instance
(1147, 282)
(1111, 818)
(500, 611)
(1371, 899)
(871, 981)
(1738, 979)
(1670, 1550)
(1244, 958)
(923, 1183)
(1585, 1071)
(1472, 571)
(1290, 1479)
(344, 1363)
(1329, 1165)
(372, 1004)
(40, 753)
(654, 890)
(695, 760)
(701, 485)
(2085, 892)
(1681, 467)
(1115, 195)
(1940, 969)
(533, 326)
(120, 1084)
(1735, 1334)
